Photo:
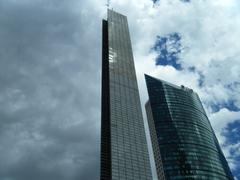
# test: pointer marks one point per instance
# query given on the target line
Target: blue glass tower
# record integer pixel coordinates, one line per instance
(184, 143)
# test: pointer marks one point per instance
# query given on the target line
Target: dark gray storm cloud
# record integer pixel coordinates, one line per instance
(49, 90)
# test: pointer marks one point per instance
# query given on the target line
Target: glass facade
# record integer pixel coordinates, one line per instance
(124, 153)
(184, 143)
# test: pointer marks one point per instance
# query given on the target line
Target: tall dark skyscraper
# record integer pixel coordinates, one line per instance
(184, 144)
(124, 153)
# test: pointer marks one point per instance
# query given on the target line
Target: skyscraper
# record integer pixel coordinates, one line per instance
(184, 143)
(124, 153)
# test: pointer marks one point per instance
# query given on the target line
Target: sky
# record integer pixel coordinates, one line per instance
(50, 76)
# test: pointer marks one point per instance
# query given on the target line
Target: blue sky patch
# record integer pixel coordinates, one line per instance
(168, 48)
(229, 105)
(231, 132)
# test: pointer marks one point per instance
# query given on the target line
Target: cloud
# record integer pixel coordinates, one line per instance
(50, 117)
(50, 60)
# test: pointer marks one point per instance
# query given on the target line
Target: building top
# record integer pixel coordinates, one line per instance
(182, 87)
(111, 11)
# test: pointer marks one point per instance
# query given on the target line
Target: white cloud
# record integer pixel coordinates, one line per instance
(221, 119)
